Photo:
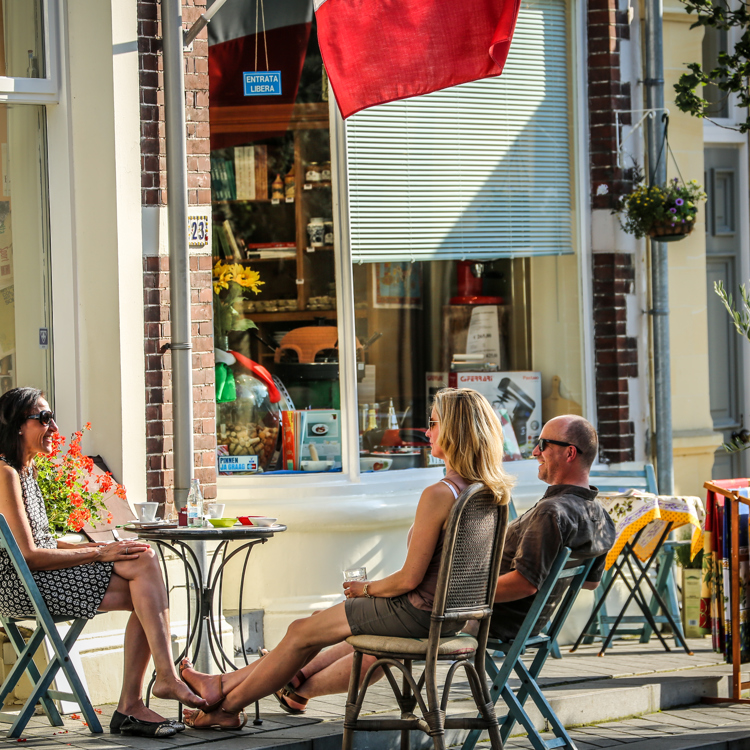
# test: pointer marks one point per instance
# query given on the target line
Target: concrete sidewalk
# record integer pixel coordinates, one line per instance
(637, 694)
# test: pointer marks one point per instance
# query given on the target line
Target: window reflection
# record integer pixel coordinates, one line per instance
(22, 39)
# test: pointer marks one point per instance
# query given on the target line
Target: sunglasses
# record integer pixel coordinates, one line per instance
(44, 417)
(542, 444)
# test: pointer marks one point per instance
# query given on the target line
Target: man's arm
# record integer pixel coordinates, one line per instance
(512, 586)
(591, 585)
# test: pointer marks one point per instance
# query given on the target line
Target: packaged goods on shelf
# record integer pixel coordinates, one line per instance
(516, 398)
(311, 435)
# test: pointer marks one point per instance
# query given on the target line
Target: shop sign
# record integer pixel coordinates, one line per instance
(232, 464)
(267, 83)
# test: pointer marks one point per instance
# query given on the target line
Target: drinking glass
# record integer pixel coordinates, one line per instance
(356, 574)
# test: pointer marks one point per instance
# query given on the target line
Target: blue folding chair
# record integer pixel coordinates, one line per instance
(511, 652)
(59, 661)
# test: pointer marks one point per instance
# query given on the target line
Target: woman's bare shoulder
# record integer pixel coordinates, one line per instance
(8, 476)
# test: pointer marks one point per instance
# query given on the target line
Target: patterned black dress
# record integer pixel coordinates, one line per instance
(71, 592)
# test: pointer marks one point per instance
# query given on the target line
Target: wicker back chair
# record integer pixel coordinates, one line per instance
(469, 568)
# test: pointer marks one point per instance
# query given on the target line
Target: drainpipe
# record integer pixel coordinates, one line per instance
(179, 260)
(659, 256)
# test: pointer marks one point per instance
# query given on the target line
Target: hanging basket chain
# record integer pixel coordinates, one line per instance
(260, 15)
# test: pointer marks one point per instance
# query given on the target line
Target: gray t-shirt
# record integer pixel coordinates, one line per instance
(566, 516)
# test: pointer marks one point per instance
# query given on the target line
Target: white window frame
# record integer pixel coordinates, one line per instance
(39, 90)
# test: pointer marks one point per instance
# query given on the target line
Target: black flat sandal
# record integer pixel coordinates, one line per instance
(132, 727)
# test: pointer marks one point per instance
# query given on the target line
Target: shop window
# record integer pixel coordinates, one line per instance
(462, 244)
(22, 53)
(275, 299)
(25, 319)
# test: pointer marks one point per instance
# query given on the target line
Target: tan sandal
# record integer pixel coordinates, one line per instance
(190, 720)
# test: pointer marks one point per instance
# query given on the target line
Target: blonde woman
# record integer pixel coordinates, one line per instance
(463, 431)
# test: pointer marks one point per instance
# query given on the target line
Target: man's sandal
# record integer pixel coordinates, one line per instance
(190, 721)
(187, 664)
(286, 692)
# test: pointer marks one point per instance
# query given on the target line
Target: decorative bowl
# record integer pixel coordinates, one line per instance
(262, 521)
(222, 523)
(317, 465)
(375, 464)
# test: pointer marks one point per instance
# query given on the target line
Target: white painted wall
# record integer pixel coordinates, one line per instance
(95, 225)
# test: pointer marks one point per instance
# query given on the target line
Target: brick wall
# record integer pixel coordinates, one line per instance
(616, 356)
(159, 424)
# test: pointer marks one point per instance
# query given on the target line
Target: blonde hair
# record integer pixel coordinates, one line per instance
(471, 437)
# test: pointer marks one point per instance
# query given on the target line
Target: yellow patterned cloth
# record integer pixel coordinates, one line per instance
(633, 510)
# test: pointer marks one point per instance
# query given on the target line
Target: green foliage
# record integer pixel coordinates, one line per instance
(741, 320)
(732, 71)
(647, 207)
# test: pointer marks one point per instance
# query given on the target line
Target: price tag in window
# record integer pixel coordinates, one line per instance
(198, 230)
(275, 201)
(308, 186)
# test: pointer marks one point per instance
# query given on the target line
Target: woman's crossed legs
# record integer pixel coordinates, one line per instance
(137, 586)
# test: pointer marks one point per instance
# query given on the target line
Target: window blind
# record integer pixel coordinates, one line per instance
(481, 170)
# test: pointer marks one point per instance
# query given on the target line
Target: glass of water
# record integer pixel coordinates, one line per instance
(356, 574)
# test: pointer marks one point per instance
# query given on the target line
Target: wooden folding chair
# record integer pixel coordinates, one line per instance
(469, 568)
(511, 652)
(59, 661)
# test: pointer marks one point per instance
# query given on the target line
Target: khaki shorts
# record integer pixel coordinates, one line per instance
(396, 617)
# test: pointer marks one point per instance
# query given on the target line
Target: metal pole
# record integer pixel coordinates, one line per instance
(659, 257)
(179, 259)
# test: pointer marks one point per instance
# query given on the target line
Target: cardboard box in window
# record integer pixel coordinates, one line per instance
(691, 602)
(516, 398)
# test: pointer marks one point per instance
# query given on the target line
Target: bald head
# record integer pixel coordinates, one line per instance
(581, 433)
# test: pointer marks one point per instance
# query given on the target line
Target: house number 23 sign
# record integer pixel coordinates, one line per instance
(198, 230)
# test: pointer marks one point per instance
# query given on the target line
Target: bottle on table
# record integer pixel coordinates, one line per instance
(195, 504)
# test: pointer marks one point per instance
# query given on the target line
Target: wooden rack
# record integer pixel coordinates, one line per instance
(734, 595)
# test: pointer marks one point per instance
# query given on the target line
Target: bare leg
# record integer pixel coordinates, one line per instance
(137, 586)
(303, 639)
(332, 679)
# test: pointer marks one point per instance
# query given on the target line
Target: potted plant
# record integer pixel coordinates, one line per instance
(230, 280)
(73, 496)
(663, 212)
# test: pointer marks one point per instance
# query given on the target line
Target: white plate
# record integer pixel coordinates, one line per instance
(150, 524)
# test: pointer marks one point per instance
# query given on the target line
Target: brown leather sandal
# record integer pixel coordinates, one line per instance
(283, 694)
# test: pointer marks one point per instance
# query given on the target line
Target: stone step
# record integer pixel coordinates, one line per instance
(591, 707)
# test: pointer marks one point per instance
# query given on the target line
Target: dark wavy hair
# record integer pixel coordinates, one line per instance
(15, 405)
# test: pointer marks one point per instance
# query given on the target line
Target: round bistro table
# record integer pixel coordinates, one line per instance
(204, 575)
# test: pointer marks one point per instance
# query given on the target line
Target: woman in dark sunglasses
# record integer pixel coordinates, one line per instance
(77, 580)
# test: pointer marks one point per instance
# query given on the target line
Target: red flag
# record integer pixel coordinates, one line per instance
(378, 51)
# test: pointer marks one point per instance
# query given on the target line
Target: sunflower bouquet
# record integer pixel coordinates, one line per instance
(231, 281)
(662, 212)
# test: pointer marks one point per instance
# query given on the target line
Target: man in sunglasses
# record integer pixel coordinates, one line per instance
(568, 515)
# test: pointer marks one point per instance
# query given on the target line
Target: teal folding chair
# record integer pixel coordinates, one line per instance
(665, 583)
(511, 652)
(59, 661)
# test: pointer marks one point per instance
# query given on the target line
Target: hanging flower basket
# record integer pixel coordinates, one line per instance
(665, 213)
(670, 232)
